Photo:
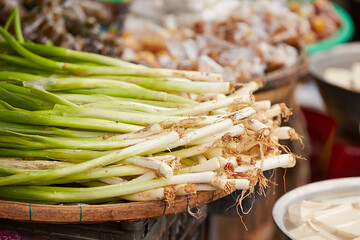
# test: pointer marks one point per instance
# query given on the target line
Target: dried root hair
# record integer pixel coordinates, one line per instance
(229, 187)
(226, 138)
(263, 183)
(229, 169)
(173, 163)
(179, 127)
(169, 195)
(277, 122)
(295, 136)
(263, 134)
(234, 85)
(273, 175)
(184, 189)
(285, 112)
(261, 81)
(239, 106)
(198, 214)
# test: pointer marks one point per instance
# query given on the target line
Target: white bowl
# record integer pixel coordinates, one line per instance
(313, 191)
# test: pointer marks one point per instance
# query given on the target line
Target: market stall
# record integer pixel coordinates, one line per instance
(178, 122)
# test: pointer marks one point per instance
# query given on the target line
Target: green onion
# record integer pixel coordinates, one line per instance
(59, 121)
(114, 88)
(118, 155)
(76, 155)
(175, 84)
(40, 142)
(113, 127)
(84, 99)
(18, 101)
(44, 130)
(8, 75)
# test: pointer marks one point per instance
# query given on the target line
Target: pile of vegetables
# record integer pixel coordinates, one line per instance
(70, 23)
(240, 40)
(82, 127)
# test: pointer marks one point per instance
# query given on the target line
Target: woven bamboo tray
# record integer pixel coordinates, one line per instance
(102, 213)
(281, 83)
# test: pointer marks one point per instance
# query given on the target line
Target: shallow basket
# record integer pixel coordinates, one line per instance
(103, 212)
(279, 87)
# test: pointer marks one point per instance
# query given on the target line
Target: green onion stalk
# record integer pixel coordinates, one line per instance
(83, 127)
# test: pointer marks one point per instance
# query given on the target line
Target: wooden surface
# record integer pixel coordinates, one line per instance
(102, 213)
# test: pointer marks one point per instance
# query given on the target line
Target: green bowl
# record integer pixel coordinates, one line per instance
(343, 35)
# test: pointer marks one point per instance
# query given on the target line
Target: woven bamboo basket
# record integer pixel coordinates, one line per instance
(105, 212)
(279, 87)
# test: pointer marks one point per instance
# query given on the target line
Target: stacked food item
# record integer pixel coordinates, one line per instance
(237, 39)
(332, 218)
(82, 127)
(345, 78)
(322, 17)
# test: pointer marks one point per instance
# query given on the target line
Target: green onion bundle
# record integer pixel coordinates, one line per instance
(82, 127)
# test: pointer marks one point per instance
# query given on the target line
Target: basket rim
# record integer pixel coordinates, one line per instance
(286, 75)
(301, 64)
(97, 213)
(280, 84)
